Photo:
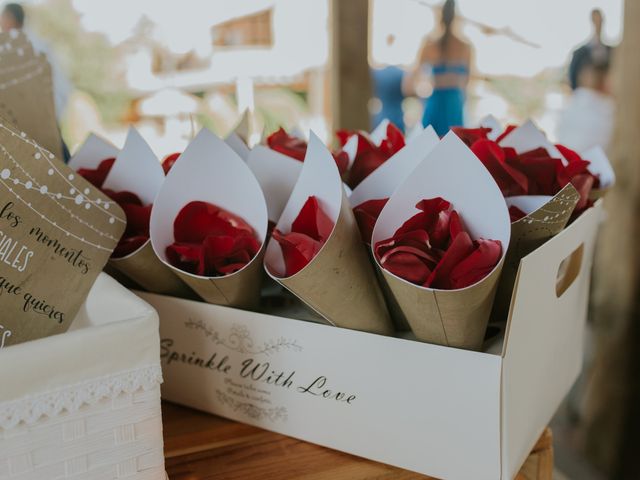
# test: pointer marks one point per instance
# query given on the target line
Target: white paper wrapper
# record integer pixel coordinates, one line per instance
(92, 152)
(277, 174)
(455, 318)
(239, 137)
(492, 122)
(600, 166)
(210, 171)
(527, 137)
(384, 180)
(339, 283)
(138, 170)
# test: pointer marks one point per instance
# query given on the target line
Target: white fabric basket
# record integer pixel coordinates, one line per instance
(85, 404)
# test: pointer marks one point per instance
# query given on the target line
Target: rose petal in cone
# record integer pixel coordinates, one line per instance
(451, 171)
(210, 171)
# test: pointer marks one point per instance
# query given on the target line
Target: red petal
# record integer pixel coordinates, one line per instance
(342, 161)
(282, 142)
(460, 248)
(128, 245)
(506, 132)
(298, 250)
(406, 265)
(122, 197)
(455, 225)
(312, 221)
(138, 219)
(515, 213)
(98, 175)
(169, 161)
(477, 265)
(471, 135)
(197, 220)
(187, 257)
(366, 215)
(509, 180)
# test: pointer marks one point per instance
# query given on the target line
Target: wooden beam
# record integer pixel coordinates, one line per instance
(350, 77)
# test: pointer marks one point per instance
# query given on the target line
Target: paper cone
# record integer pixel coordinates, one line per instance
(601, 167)
(136, 170)
(456, 318)
(527, 137)
(210, 171)
(277, 174)
(492, 122)
(414, 133)
(339, 283)
(240, 136)
(382, 182)
(92, 152)
(546, 217)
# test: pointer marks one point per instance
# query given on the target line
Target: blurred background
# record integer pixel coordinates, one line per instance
(171, 67)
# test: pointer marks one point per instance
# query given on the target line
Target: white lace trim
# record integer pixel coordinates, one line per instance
(71, 397)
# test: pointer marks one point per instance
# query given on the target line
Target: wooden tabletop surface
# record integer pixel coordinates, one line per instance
(200, 446)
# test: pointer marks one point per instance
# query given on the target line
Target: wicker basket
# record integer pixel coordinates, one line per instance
(86, 404)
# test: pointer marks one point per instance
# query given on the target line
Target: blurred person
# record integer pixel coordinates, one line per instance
(387, 90)
(587, 120)
(13, 18)
(447, 61)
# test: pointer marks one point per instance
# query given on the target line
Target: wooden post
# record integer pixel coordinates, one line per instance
(612, 410)
(350, 77)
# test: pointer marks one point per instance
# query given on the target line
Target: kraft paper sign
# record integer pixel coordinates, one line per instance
(26, 91)
(546, 217)
(339, 283)
(210, 171)
(456, 318)
(56, 233)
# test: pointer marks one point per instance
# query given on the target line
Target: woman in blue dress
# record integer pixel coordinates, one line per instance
(446, 59)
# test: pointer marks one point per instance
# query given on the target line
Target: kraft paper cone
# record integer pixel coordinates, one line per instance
(277, 174)
(136, 170)
(92, 152)
(240, 136)
(601, 167)
(210, 171)
(456, 318)
(382, 182)
(339, 283)
(546, 217)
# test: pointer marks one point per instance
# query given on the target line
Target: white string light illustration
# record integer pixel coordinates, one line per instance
(24, 78)
(13, 68)
(48, 156)
(32, 184)
(42, 216)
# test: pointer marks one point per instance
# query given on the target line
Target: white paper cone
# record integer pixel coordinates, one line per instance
(138, 170)
(210, 171)
(339, 283)
(600, 166)
(277, 174)
(92, 152)
(492, 122)
(449, 317)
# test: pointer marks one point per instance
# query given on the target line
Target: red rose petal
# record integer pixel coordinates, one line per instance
(288, 145)
(515, 213)
(471, 135)
(298, 250)
(493, 157)
(460, 248)
(98, 175)
(507, 131)
(312, 221)
(169, 161)
(477, 265)
(128, 245)
(187, 256)
(367, 214)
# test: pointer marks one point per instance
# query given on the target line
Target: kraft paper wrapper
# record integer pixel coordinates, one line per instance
(542, 223)
(136, 170)
(382, 182)
(339, 283)
(209, 170)
(456, 318)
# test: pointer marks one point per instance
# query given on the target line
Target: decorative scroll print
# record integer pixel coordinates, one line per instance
(252, 411)
(239, 340)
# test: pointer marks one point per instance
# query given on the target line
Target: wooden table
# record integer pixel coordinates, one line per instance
(199, 446)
